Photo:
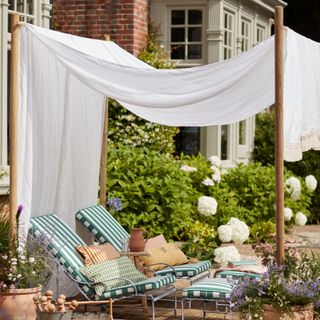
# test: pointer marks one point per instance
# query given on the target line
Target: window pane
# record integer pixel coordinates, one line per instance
(177, 52)
(194, 51)
(20, 6)
(242, 132)
(224, 142)
(195, 17)
(194, 34)
(30, 4)
(188, 141)
(11, 4)
(177, 17)
(226, 21)
(177, 35)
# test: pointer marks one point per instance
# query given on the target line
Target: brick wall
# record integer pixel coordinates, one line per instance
(125, 21)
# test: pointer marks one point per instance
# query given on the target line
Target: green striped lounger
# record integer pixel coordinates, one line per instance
(216, 290)
(107, 229)
(61, 242)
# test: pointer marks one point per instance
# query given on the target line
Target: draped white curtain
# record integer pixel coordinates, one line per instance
(64, 80)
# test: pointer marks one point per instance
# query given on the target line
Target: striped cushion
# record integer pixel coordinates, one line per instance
(233, 274)
(142, 287)
(101, 223)
(238, 263)
(97, 254)
(187, 270)
(209, 289)
(61, 241)
(112, 269)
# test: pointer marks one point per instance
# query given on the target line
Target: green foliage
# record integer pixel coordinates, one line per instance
(4, 235)
(202, 241)
(261, 231)
(264, 153)
(128, 129)
(155, 193)
(264, 139)
(154, 53)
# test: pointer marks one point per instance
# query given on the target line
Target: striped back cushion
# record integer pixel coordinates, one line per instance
(61, 241)
(103, 225)
(97, 254)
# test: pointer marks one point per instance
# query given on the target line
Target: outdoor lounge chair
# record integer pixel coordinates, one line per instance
(60, 241)
(106, 229)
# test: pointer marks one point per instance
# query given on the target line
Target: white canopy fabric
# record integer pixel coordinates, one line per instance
(64, 80)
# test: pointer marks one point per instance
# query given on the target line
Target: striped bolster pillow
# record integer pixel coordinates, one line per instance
(97, 254)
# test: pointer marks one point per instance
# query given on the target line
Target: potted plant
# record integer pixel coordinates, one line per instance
(289, 291)
(22, 273)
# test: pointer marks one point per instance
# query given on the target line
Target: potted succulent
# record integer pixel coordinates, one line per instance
(289, 291)
(22, 273)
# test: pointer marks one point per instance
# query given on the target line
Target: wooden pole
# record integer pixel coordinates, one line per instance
(279, 145)
(14, 104)
(103, 159)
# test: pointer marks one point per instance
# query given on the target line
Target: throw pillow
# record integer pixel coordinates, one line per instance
(168, 254)
(155, 242)
(98, 254)
(110, 269)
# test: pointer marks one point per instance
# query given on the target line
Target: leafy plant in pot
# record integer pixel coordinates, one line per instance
(22, 273)
(290, 291)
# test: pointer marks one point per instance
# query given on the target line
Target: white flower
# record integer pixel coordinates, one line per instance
(287, 214)
(33, 272)
(215, 161)
(187, 168)
(293, 187)
(224, 254)
(19, 276)
(311, 182)
(240, 231)
(225, 233)
(207, 206)
(208, 182)
(300, 219)
(31, 260)
(216, 175)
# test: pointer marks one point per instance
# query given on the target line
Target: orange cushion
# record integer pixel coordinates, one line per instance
(155, 242)
(97, 254)
(168, 254)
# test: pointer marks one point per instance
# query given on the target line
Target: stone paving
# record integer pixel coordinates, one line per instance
(307, 238)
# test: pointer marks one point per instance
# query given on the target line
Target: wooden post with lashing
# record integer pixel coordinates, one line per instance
(103, 159)
(279, 145)
(14, 105)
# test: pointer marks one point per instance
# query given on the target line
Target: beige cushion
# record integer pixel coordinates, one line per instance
(155, 242)
(168, 254)
(97, 254)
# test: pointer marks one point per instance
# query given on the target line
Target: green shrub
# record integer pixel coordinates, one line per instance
(264, 153)
(128, 129)
(202, 241)
(155, 193)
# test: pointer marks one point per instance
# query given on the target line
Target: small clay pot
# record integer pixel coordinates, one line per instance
(136, 241)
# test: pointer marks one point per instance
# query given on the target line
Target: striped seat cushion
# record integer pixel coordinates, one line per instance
(218, 289)
(61, 242)
(238, 263)
(233, 274)
(187, 270)
(103, 225)
(142, 287)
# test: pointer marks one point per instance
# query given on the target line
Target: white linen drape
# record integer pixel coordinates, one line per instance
(63, 82)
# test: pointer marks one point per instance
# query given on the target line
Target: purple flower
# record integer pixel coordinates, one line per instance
(115, 204)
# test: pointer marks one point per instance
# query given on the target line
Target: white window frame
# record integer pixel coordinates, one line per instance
(187, 62)
(229, 33)
(41, 17)
(261, 33)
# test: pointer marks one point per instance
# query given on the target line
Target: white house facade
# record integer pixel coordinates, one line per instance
(197, 32)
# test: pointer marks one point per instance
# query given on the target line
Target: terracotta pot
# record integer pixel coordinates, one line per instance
(298, 313)
(136, 241)
(17, 304)
(54, 315)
